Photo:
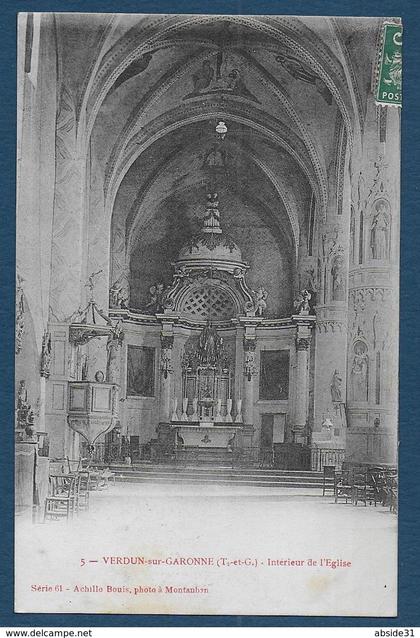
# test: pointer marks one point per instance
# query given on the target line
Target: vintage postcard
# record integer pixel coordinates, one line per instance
(207, 314)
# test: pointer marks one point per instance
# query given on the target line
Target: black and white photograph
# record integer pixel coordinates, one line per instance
(207, 302)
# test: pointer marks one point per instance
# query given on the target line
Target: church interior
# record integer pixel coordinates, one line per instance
(207, 243)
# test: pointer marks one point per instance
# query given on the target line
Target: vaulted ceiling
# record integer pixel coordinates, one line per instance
(150, 90)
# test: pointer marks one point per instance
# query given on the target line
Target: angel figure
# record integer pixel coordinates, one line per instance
(260, 301)
(301, 303)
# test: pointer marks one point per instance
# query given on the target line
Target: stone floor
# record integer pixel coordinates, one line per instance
(264, 547)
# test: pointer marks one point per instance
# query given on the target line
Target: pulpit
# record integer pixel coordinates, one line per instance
(92, 408)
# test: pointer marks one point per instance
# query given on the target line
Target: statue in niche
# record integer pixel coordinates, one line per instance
(301, 303)
(260, 301)
(210, 345)
(379, 232)
(338, 280)
(359, 372)
(336, 387)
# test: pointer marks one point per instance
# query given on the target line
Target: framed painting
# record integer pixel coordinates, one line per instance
(274, 375)
(140, 371)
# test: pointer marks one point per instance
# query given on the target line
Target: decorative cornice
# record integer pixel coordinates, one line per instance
(331, 325)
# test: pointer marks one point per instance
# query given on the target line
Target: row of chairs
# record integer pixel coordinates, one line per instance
(371, 485)
(69, 492)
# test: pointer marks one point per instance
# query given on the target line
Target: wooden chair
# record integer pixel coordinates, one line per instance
(360, 487)
(61, 502)
(392, 488)
(73, 466)
(376, 479)
(343, 486)
(84, 487)
(328, 481)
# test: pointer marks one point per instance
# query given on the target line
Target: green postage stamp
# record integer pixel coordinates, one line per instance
(389, 79)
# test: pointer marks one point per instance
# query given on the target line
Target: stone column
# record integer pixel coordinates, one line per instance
(303, 341)
(45, 370)
(372, 391)
(250, 371)
(166, 372)
(329, 365)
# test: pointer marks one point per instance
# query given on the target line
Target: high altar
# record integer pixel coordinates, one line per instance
(227, 378)
(200, 373)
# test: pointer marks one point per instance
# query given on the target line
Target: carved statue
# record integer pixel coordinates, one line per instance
(336, 387)
(91, 282)
(260, 301)
(160, 293)
(210, 345)
(379, 233)
(46, 355)
(249, 364)
(359, 372)
(301, 303)
(338, 279)
(115, 340)
(118, 296)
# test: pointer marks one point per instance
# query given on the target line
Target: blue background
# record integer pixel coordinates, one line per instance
(409, 540)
